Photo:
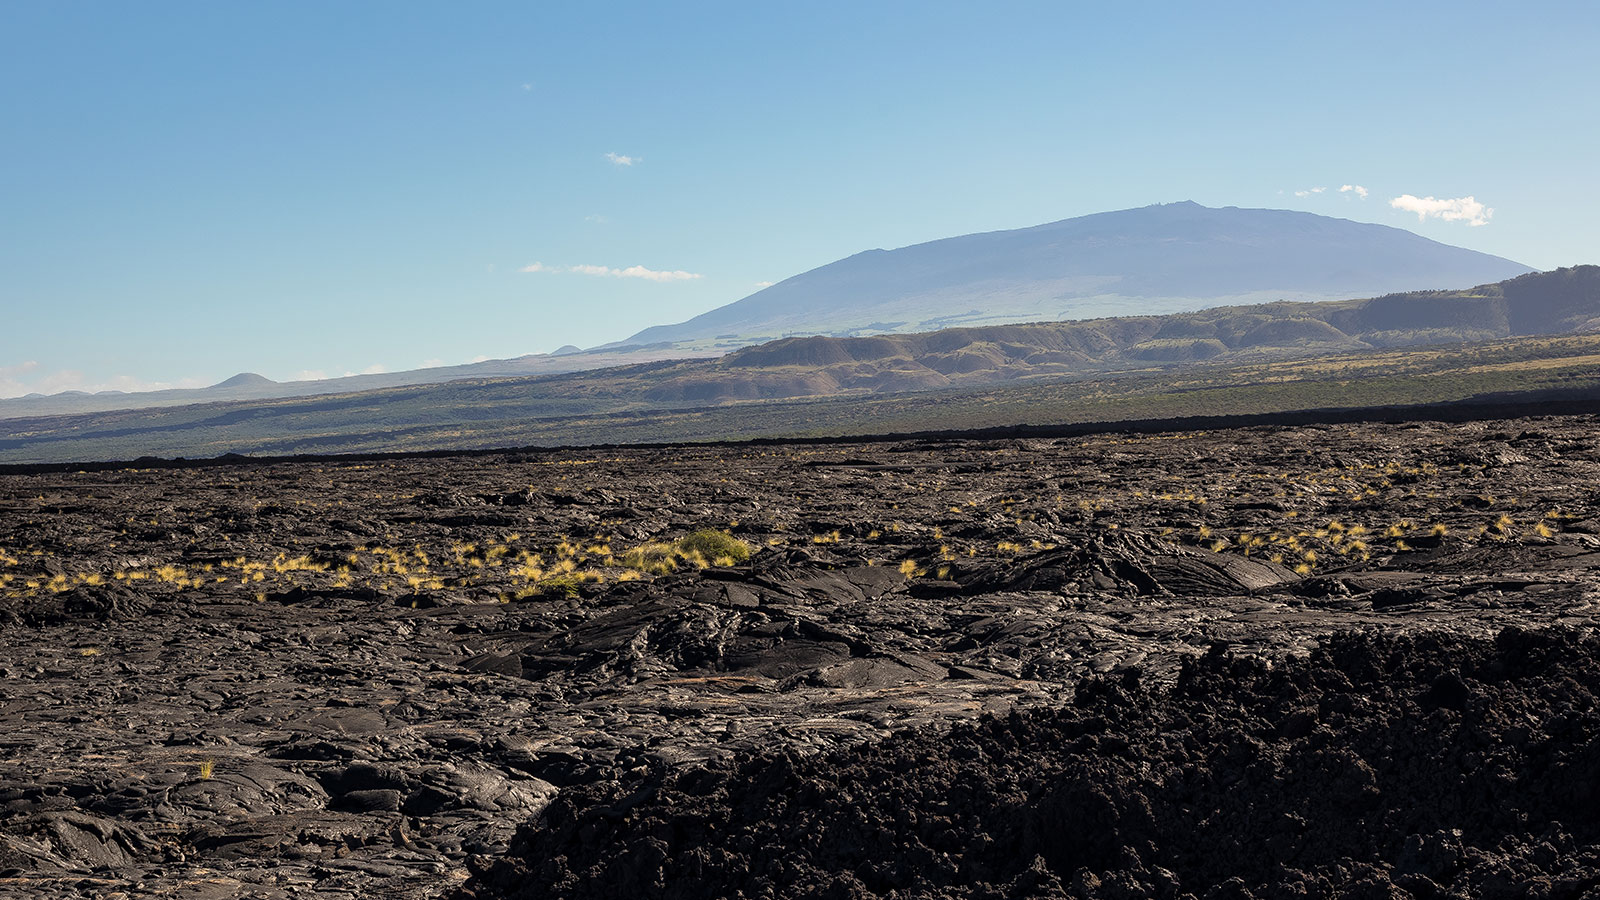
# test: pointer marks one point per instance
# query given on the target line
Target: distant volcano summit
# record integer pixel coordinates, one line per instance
(245, 380)
(1157, 259)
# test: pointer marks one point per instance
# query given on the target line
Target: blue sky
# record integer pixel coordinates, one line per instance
(196, 189)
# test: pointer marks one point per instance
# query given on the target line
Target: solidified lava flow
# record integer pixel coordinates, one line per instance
(913, 668)
(1377, 767)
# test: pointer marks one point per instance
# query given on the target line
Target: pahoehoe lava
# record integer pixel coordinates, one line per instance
(976, 665)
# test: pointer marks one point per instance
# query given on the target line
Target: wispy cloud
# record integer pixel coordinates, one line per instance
(1458, 209)
(609, 272)
(1355, 189)
(642, 272)
(618, 159)
(310, 375)
(763, 284)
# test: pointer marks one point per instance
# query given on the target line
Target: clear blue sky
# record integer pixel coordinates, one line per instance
(191, 190)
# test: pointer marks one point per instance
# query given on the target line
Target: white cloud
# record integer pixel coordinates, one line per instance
(596, 218)
(527, 86)
(653, 275)
(479, 358)
(374, 369)
(21, 368)
(1459, 209)
(1356, 188)
(763, 284)
(1315, 190)
(432, 363)
(11, 387)
(310, 375)
(617, 159)
(607, 271)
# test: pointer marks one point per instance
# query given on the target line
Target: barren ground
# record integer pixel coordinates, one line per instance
(353, 679)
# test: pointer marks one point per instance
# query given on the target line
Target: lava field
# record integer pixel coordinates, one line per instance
(1351, 660)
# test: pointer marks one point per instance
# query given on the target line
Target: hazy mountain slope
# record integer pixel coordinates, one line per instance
(249, 386)
(1562, 301)
(1476, 334)
(1131, 262)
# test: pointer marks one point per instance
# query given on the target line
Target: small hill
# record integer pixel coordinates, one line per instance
(245, 379)
(1148, 261)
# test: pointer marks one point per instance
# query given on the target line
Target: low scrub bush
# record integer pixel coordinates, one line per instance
(703, 548)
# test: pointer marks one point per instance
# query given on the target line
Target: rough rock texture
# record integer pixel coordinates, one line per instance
(1378, 767)
(353, 679)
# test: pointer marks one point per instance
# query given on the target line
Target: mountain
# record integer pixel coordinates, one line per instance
(1157, 259)
(1135, 262)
